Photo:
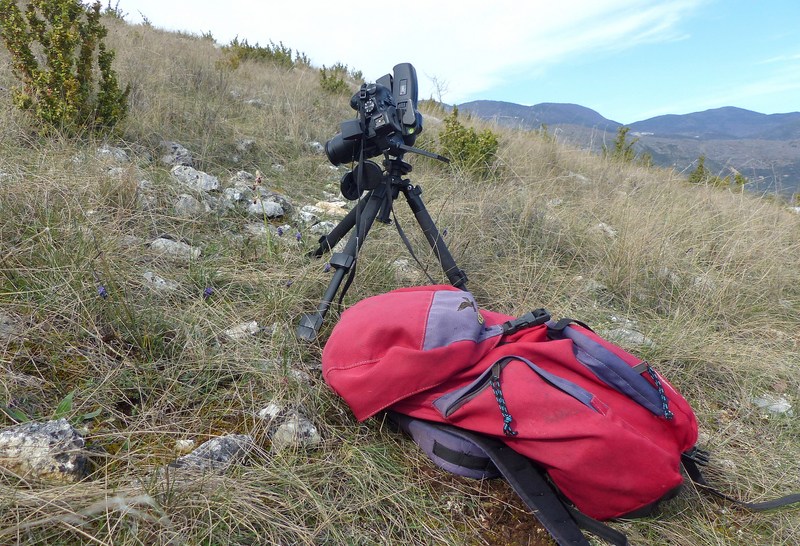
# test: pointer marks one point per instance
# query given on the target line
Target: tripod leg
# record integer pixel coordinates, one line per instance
(327, 242)
(456, 276)
(342, 262)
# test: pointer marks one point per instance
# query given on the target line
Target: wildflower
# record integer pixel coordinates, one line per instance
(207, 292)
(280, 232)
(298, 235)
(102, 292)
(327, 267)
(289, 283)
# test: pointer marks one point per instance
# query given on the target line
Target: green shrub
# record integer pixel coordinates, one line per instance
(702, 176)
(276, 54)
(334, 79)
(53, 47)
(623, 150)
(468, 149)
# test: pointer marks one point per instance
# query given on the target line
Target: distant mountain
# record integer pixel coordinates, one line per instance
(728, 123)
(546, 113)
(764, 148)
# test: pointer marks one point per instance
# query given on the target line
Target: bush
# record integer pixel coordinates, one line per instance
(53, 49)
(334, 79)
(276, 54)
(623, 150)
(468, 149)
(702, 176)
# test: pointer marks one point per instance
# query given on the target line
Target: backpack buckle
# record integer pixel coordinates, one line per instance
(528, 320)
(699, 456)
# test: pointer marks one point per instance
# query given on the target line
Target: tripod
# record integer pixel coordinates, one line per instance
(376, 204)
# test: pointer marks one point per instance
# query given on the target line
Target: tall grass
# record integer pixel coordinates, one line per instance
(711, 277)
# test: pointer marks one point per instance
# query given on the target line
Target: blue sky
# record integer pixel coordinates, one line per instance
(628, 59)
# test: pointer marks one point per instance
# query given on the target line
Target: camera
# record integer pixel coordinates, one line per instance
(388, 120)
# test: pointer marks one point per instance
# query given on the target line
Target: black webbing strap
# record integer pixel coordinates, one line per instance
(458, 458)
(691, 463)
(530, 484)
(564, 322)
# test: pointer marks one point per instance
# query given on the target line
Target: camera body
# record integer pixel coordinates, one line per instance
(388, 119)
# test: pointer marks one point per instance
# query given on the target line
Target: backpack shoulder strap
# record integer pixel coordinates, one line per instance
(562, 522)
(695, 458)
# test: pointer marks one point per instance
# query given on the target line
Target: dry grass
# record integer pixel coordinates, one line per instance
(712, 277)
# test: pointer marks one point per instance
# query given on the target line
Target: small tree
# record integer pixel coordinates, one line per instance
(53, 47)
(623, 150)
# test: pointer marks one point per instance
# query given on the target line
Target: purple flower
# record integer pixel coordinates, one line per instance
(280, 232)
(327, 267)
(289, 283)
(207, 292)
(298, 235)
(102, 292)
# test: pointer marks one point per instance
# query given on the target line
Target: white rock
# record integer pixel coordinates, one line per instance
(188, 206)
(297, 431)
(774, 404)
(110, 152)
(175, 154)
(160, 283)
(175, 249)
(49, 452)
(217, 453)
(242, 331)
(322, 228)
(194, 179)
(270, 209)
(270, 412)
(184, 446)
(335, 208)
(628, 337)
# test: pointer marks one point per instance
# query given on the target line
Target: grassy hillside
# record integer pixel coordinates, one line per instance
(712, 278)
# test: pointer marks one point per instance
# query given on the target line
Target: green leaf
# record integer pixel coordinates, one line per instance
(64, 407)
(14, 414)
(91, 415)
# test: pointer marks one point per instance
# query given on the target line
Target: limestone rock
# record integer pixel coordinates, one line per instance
(49, 452)
(261, 208)
(175, 249)
(112, 153)
(774, 404)
(194, 179)
(175, 154)
(187, 206)
(160, 284)
(241, 331)
(296, 431)
(217, 454)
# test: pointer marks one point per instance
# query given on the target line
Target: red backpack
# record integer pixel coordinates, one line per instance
(607, 429)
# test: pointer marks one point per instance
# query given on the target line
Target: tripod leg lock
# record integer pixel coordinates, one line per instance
(342, 260)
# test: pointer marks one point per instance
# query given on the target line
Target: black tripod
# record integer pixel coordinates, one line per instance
(376, 204)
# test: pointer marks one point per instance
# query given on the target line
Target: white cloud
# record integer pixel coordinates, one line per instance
(471, 45)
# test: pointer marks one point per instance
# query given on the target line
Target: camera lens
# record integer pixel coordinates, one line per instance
(340, 150)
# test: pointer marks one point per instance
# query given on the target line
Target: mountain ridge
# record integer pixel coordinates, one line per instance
(765, 148)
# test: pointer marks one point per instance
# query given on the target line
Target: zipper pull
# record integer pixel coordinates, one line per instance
(494, 381)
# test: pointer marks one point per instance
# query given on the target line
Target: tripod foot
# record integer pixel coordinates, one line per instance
(309, 326)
